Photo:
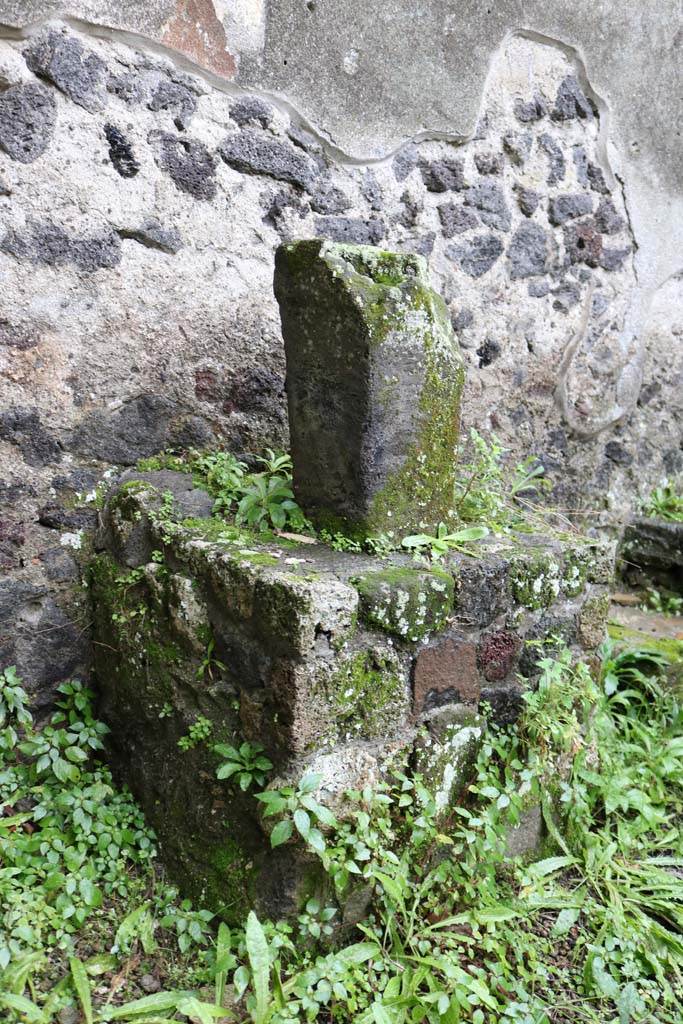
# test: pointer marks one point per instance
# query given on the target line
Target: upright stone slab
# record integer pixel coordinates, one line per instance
(374, 382)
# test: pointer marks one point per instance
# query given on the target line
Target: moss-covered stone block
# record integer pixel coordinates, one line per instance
(374, 384)
(407, 603)
(446, 752)
(368, 695)
(575, 571)
(535, 579)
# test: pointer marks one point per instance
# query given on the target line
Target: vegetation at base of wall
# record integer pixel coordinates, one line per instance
(663, 601)
(590, 929)
(665, 502)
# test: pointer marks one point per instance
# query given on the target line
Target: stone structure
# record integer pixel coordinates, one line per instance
(338, 663)
(153, 156)
(374, 384)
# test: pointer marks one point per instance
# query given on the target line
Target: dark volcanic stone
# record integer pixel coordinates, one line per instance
(556, 161)
(567, 207)
(20, 336)
(488, 199)
(404, 162)
(79, 73)
(527, 200)
(488, 163)
(617, 453)
(461, 320)
(23, 428)
(251, 110)
(276, 203)
(128, 87)
(49, 243)
(257, 390)
(327, 198)
(571, 102)
(121, 152)
(252, 152)
(421, 245)
(596, 179)
(445, 175)
(538, 289)
(371, 191)
(528, 251)
(583, 243)
(654, 543)
(27, 121)
(62, 652)
(506, 702)
(60, 565)
(58, 517)
(497, 654)
(518, 146)
(558, 627)
(613, 259)
(581, 164)
(187, 162)
(483, 592)
(565, 296)
(456, 219)
(153, 235)
(141, 427)
(350, 229)
(477, 256)
(12, 538)
(488, 352)
(177, 99)
(412, 208)
(608, 220)
(534, 110)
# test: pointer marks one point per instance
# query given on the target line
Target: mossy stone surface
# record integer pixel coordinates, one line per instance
(535, 579)
(407, 603)
(368, 695)
(374, 384)
(446, 752)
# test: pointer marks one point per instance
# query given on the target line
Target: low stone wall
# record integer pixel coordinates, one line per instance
(141, 203)
(337, 663)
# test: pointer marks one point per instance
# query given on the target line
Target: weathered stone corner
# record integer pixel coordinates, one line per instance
(374, 383)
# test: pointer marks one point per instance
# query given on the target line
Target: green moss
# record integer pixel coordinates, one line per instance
(281, 608)
(256, 557)
(230, 887)
(407, 603)
(367, 694)
(535, 580)
(670, 648)
(421, 491)
(164, 460)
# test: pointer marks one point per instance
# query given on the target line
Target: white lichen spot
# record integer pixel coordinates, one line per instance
(72, 540)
